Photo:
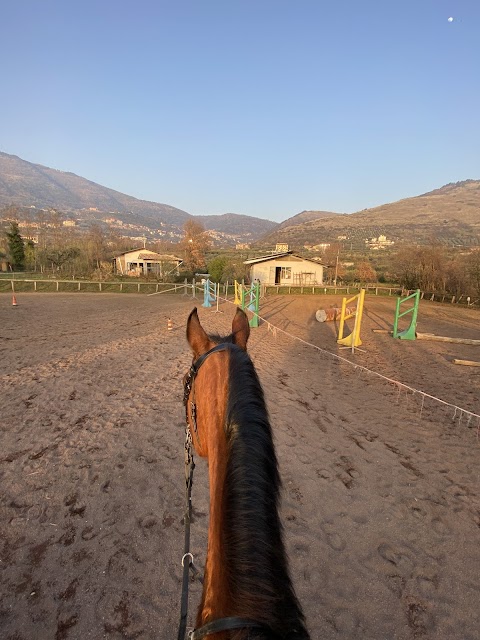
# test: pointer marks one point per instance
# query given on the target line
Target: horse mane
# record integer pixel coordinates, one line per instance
(257, 562)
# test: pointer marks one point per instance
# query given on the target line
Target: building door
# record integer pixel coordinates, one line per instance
(278, 271)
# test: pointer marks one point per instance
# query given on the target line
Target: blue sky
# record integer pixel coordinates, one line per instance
(259, 107)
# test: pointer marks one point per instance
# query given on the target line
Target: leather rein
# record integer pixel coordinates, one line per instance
(221, 624)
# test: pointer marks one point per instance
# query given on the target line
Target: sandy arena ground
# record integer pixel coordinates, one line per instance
(381, 501)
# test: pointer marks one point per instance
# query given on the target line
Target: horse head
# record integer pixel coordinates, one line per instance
(206, 383)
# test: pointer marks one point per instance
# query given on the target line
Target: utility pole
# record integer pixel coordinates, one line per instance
(336, 270)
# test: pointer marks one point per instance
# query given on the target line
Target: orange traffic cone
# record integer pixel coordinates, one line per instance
(14, 301)
(169, 325)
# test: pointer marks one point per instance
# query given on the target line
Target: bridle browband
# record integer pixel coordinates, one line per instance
(222, 624)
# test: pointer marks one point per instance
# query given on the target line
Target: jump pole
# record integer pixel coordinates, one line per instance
(207, 290)
(217, 310)
(353, 340)
(254, 304)
(334, 313)
(432, 336)
(467, 363)
(238, 293)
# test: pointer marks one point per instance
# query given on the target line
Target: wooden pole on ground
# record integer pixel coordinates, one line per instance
(467, 363)
(432, 336)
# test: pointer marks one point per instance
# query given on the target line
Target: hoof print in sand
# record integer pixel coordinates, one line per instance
(420, 618)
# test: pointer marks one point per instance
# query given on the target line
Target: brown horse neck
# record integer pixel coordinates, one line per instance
(213, 445)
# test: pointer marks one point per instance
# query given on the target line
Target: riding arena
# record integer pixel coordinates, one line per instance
(335, 491)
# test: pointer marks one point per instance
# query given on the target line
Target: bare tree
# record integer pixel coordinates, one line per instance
(472, 269)
(195, 244)
(422, 267)
(331, 259)
(365, 272)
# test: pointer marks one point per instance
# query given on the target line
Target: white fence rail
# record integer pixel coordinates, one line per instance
(188, 288)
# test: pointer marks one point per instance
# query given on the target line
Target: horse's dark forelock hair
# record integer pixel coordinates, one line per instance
(257, 563)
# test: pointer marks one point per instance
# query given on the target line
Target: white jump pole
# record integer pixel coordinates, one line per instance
(217, 287)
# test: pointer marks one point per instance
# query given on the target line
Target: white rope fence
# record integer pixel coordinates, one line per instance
(458, 412)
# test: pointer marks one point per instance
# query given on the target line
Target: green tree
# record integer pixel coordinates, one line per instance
(216, 268)
(16, 247)
(235, 270)
(59, 257)
(30, 256)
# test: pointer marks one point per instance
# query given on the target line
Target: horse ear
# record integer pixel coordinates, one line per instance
(240, 329)
(196, 336)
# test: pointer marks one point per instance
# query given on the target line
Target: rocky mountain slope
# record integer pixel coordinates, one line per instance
(306, 216)
(35, 187)
(450, 215)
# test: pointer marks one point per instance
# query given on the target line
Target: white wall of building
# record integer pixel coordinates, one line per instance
(287, 271)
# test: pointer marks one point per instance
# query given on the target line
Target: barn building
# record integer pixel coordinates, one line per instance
(285, 268)
(142, 262)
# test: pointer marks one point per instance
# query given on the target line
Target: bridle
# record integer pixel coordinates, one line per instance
(222, 624)
(189, 384)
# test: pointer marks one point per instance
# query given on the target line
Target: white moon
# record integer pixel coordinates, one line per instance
(450, 19)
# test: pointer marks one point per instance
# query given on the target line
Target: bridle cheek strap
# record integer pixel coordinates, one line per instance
(189, 384)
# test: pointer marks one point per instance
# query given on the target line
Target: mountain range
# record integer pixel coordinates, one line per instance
(449, 214)
(35, 187)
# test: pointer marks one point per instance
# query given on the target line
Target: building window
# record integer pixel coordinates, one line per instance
(286, 273)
